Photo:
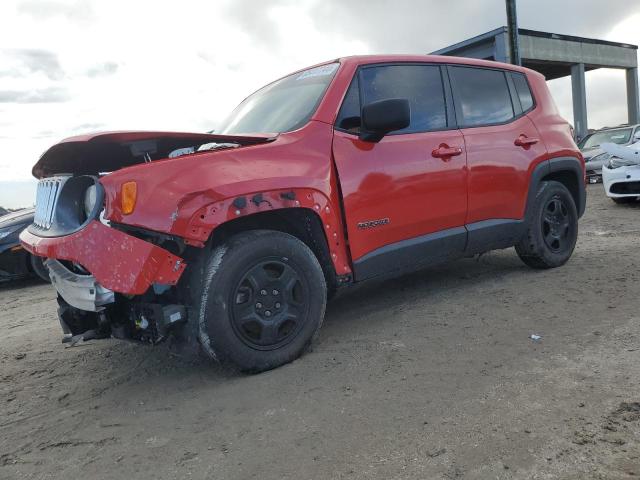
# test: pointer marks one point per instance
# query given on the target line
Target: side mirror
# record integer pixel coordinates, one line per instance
(636, 136)
(384, 116)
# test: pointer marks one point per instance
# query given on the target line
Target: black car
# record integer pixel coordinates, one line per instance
(15, 261)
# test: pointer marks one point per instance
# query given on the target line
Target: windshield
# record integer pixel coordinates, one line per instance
(281, 106)
(608, 136)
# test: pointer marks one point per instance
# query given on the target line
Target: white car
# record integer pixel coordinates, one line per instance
(621, 174)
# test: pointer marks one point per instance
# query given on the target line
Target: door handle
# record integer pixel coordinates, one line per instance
(525, 142)
(445, 152)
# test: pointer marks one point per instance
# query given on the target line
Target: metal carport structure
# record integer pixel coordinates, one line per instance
(555, 56)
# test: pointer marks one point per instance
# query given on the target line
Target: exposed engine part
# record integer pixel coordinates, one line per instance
(146, 322)
(207, 146)
(217, 146)
(181, 151)
(152, 322)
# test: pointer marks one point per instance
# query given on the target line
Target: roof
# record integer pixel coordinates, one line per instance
(370, 59)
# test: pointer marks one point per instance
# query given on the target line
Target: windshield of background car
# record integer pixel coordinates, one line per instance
(609, 136)
(281, 106)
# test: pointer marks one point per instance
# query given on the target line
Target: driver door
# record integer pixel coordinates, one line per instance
(405, 199)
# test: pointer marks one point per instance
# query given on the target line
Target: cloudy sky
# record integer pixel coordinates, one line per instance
(74, 66)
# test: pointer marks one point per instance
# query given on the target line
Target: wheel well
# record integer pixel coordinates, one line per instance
(302, 223)
(569, 180)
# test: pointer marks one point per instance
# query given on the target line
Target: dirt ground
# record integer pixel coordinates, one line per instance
(429, 376)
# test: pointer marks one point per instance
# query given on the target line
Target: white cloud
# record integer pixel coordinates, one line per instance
(183, 66)
(179, 67)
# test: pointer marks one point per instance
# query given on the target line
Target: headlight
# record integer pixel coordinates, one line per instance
(616, 162)
(90, 197)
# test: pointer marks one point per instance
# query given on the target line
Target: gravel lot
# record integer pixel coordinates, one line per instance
(429, 376)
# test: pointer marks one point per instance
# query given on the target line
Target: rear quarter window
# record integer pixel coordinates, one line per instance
(482, 96)
(523, 91)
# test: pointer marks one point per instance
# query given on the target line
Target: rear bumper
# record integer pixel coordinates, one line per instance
(119, 262)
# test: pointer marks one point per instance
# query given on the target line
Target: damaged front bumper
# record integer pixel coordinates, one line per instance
(79, 291)
(119, 262)
(103, 278)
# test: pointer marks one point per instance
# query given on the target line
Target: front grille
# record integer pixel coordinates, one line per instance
(60, 205)
(626, 188)
(47, 196)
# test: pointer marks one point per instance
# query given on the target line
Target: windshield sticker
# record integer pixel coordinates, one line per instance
(321, 71)
(617, 137)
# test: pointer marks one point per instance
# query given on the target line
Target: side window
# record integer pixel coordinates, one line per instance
(482, 96)
(349, 116)
(522, 88)
(420, 84)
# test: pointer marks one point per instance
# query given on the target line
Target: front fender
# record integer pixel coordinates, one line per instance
(192, 195)
(197, 227)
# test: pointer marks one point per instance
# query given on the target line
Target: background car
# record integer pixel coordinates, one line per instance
(621, 174)
(15, 261)
(595, 157)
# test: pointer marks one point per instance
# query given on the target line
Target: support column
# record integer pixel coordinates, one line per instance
(633, 98)
(501, 48)
(579, 95)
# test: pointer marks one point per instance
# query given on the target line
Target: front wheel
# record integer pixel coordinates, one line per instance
(262, 300)
(552, 230)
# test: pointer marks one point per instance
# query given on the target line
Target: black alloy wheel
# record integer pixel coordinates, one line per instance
(269, 304)
(260, 300)
(551, 227)
(556, 224)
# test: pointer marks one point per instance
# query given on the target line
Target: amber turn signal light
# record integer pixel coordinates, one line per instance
(128, 194)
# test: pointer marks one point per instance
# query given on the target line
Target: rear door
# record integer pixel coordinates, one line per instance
(502, 143)
(405, 197)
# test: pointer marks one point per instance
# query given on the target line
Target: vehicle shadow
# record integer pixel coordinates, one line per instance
(353, 303)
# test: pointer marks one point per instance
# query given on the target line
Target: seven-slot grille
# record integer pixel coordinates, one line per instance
(46, 199)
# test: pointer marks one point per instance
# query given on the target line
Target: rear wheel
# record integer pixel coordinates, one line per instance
(552, 230)
(262, 300)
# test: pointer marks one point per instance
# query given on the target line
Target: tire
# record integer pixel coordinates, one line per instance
(624, 200)
(261, 300)
(552, 229)
(37, 266)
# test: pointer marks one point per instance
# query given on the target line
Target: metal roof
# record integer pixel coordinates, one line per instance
(552, 54)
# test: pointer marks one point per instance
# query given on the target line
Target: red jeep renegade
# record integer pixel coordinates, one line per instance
(342, 172)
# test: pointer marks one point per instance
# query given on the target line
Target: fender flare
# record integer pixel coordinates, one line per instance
(555, 165)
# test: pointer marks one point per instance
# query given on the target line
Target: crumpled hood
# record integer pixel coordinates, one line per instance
(629, 154)
(590, 153)
(110, 151)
